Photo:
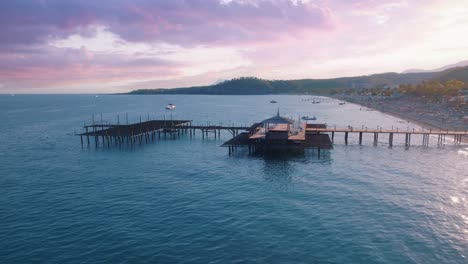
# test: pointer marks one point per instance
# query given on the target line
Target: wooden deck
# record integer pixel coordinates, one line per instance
(309, 136)
(387, 131)
(118, 130)
(148, 131)
(441, 134)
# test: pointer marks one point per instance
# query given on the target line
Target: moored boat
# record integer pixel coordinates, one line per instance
(170, 107)
(309, 118)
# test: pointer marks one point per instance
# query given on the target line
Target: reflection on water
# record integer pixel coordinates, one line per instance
(187, 200)
(278, 171)
(463, 151)
(279, 166)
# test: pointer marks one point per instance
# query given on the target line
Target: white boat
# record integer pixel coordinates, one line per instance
(170, 107)
(309, 118)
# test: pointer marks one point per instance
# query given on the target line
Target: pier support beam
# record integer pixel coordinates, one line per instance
(390, 139)
(407, 139)
(426, 139)
(346, 138)
(360, 138)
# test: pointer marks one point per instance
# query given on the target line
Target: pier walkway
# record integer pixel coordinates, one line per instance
(147, 131)
(441, 134)
(143, 132)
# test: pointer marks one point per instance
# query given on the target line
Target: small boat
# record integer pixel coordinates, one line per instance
(273, 101)
(309, 118)
(342, 103)
(170, 107)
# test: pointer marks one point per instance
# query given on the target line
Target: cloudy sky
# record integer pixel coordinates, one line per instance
(80, 46)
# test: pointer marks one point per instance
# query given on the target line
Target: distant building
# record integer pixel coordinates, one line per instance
(391, 86)
(460, 100)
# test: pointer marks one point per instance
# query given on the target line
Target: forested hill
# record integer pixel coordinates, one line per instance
(253, 86)
(457, 73)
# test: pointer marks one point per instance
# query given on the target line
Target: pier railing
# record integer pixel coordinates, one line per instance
(458, 136)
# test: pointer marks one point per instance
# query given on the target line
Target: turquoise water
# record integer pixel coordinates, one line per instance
(188, 201)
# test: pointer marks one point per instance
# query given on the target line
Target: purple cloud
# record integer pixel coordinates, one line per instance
(64, 66)
(184, 22)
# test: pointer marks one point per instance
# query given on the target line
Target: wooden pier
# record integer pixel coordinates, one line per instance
(148, 131)
(315, 136)
(442, 135)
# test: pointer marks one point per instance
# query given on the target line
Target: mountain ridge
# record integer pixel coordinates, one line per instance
(257, 86)
(443, 68)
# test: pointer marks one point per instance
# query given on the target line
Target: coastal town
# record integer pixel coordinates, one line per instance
(446, 108)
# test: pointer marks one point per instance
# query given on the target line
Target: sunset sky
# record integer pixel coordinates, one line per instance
(101, 46)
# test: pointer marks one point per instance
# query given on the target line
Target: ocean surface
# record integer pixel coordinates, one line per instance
(188, 201)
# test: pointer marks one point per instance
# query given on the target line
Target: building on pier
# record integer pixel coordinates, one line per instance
(280, 133)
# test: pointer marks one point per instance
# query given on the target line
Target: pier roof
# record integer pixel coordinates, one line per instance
(277, 119)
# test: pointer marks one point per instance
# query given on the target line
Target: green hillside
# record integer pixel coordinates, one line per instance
(458, 73)
(256, 86)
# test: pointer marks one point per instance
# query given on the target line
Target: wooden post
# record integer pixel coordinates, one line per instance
(333, 136)
(87, 135)
(360, 139)
(390, 140)
(346, 138)
(81, 137)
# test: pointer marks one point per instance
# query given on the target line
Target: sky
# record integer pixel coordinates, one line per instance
(106, 46)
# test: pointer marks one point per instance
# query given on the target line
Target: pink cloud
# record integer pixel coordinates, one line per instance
(270, 36)
(64, 66)
(183, 22)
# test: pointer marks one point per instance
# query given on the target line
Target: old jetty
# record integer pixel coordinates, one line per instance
(106, 135)
(275, 133)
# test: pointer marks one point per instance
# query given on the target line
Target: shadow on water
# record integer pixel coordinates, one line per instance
(279, 166)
